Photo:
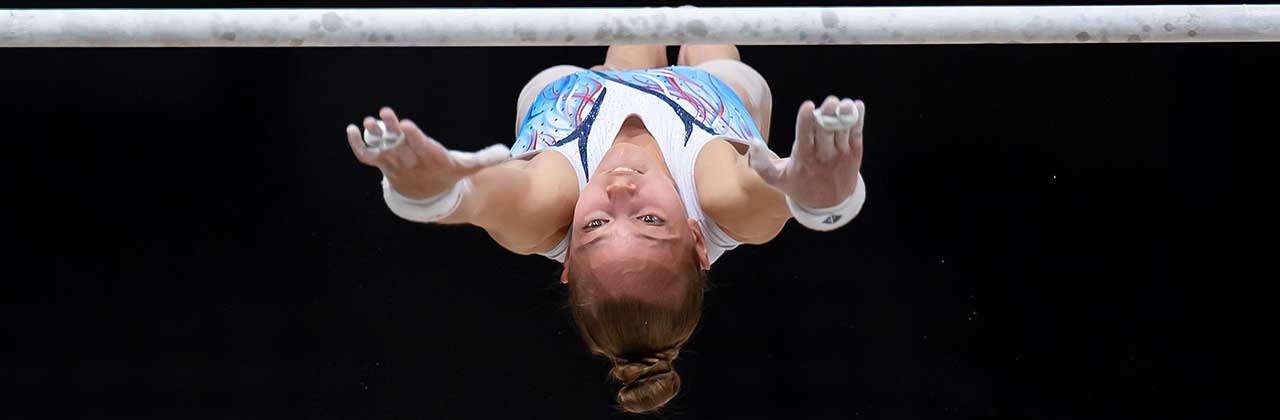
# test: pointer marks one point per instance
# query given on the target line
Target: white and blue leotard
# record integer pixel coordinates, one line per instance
(579, 116)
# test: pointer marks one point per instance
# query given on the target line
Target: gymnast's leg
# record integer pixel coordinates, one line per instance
(619, 57)
(634, 57)
(535, 85)
(725, 63)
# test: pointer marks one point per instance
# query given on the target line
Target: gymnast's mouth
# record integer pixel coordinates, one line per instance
(625, 170)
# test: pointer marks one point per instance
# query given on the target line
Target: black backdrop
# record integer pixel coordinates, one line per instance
(1052, 231)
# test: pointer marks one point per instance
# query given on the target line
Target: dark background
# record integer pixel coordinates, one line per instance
(1052, 231)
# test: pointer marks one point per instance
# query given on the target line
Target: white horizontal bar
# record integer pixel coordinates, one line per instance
(664, 25)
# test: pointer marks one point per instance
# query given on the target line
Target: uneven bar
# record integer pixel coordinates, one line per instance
(434, 27)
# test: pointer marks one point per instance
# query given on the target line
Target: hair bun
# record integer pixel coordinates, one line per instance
(647, 383)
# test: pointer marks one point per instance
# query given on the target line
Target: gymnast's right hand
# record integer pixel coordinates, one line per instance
(416, 165)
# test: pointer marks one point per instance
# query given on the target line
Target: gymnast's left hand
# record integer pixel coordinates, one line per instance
(823, 168)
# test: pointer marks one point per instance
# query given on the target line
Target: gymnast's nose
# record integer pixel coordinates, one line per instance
(620, 188)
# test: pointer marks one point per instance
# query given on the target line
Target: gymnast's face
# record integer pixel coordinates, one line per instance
(630, 231)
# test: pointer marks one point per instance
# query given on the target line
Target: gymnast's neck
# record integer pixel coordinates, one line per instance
(634, 132)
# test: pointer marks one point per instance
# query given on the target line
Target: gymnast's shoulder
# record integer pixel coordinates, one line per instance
(548, 188)
(525, 204)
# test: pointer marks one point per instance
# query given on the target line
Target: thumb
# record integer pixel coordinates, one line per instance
(758, 156)
(472, 162)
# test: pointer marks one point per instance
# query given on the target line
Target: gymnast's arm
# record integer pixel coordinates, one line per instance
(742, 204)
(819, 184)
(524, 205)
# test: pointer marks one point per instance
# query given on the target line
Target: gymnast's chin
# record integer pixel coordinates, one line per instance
(636, 271)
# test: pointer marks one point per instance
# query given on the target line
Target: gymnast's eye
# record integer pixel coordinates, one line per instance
(651, 219)
(594, 224)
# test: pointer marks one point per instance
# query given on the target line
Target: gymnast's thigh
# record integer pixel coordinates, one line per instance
(750, 86)
(535, 85)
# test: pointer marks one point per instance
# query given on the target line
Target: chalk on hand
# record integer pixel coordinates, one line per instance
(488, 156)
(381, 142)
(836, 122)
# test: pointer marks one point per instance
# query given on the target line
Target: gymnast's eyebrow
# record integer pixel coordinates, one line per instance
(601, 237)
(593, 241)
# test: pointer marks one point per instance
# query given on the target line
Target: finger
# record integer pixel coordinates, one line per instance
(846, 108)
(861, 107)
(824, 138)
(471, 162)
(804, 130)
(370, 139)
(353, 135)
(389, 119)
(418, 141)
(392, 134)
(371, 124)
(357, 145)
(420, 144)
(842, 120)
(855, 134)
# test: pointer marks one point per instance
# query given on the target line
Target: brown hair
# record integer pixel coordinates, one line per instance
(641, 339)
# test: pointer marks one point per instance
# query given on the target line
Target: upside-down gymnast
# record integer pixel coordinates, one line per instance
(655, 172)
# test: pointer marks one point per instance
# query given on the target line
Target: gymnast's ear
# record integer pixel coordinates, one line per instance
(564, 275)
(699, 245)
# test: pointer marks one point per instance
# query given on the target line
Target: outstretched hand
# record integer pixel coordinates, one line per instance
(822, 170)
(416, 165)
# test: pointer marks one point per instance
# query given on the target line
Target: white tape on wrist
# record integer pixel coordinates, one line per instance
(429, 209)
(836, 122)
(831, 218)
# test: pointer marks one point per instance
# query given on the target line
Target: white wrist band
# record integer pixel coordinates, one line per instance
(427, 209)
(831, 218)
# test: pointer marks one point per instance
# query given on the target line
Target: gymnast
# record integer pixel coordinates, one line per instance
(655, 172)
